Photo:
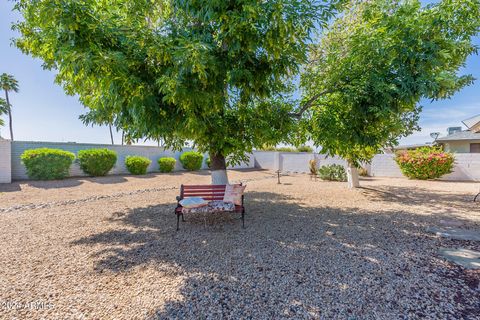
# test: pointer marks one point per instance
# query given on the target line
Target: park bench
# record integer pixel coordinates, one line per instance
(208, 193)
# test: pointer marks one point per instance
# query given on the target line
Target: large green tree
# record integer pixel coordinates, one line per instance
(8, 84)
(214, 72)
(374, 64)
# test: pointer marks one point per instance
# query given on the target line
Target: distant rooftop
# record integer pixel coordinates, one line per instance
(461, 135)
(412, 146)
(470, 122)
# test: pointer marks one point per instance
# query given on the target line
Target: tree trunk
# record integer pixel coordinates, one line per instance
(218, 167)
(9, 109)
(123, 135)
(352, 176)
(111, 133)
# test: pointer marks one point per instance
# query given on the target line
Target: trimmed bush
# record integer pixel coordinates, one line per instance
(97, 162)
(332, 172)
(268, 148)
(286, 149)
(425, 163)
(47, 164)
(191, 160)
(167, 164)
(363, 172)
(304, 149)
(137, 164)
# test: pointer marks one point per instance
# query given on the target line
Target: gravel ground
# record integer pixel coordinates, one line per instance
(106, 248)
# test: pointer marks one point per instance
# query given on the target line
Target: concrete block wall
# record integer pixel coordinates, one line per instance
(295, 161)
(384, 165)
(266, 160)
(151, 152)
(323, 160)
(292, 161)
(5, 161)
(467, 167)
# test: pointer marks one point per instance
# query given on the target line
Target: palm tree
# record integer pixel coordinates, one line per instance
(9, 83)
(3, 110)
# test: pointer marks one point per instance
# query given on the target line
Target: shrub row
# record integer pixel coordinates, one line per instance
(49, 164)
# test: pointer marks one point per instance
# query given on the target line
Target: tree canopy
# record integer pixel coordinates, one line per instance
(212, 71)
(373, 65)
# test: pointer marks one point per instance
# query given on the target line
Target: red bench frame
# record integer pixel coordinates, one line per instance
(207, 192)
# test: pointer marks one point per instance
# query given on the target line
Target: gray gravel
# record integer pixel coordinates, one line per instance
(311, 250)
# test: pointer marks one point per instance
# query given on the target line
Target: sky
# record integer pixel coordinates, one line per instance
(43, 112)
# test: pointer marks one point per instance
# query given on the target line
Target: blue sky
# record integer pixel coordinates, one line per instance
(43, 112)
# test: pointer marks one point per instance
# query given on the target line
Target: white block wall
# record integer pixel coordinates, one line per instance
(5, 161)
(384, 165)
(266, 159)
(295, 161)
(245, 165)
(467, 167)
(323, 160)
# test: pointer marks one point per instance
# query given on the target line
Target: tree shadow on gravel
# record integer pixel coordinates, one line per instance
(10, 187)
(292, 261)
(434, 200)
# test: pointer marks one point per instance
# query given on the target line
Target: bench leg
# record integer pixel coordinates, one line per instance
(243, 219)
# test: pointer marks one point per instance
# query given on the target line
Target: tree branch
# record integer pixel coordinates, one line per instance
(307, 105)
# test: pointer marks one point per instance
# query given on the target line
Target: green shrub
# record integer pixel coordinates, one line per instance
(267, 148)
(97, 162)
(312, 165)
(208, 162)
(47, 164)
(363, 172)
(425, 163)
(191, 160)
(286, 149)
(167, 164)
(137, 164)
(332, 172)
(304, 149)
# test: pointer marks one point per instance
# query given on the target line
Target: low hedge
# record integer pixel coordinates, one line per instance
(425, 163)
(191, 160)
(304, 149)
(47, 164)
(137, 164)
(332, 172)
(97, 162)
(166, 164)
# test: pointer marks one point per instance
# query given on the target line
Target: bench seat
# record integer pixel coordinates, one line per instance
(211, 193)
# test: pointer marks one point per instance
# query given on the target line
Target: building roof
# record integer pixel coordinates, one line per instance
(412, 146)
(470, 122)
(462, 135)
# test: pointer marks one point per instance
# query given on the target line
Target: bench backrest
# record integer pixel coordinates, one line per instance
(207, 192)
